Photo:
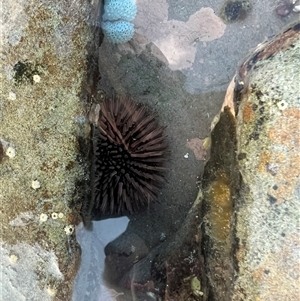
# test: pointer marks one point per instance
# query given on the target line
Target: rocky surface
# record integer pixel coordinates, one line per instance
(44, 68)
(267, 214)
(44, 48)
(254, 254)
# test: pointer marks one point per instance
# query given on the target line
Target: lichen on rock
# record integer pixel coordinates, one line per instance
(43, 72)
(251, 182)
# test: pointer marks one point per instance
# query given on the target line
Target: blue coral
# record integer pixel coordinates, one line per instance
(116, 23)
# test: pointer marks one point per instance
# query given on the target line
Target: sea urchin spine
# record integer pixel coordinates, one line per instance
(129, 156)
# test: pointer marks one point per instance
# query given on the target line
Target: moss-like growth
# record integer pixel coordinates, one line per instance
(25, 71)
(220, 185)
(235, 10)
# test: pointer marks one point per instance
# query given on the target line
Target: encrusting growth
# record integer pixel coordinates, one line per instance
(129, 155)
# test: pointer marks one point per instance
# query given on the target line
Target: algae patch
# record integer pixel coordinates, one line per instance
(220, 186)
(221, 207)
(235, 10)
(26, 71)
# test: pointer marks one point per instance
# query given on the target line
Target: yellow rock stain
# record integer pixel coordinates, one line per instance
(221, 207)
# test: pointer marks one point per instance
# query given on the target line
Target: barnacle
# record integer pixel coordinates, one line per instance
(69, 229)
(43, 217)
(35, 184)
(54, 215)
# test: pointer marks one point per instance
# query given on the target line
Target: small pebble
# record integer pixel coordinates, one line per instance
(284, 9)
(162, 236)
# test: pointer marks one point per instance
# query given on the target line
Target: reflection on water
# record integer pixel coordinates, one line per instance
(89, 284)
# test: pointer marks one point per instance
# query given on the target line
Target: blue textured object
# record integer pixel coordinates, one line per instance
(115, 10)
(118, 31)
(117, 14)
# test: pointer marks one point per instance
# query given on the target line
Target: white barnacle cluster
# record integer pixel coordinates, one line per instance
(55, 215)
(69, 229)
(116, 20)
(60, 215)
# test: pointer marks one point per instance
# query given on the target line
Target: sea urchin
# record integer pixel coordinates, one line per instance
(129, 155)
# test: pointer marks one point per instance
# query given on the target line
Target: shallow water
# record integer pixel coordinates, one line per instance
(202, 53)
(89, 285)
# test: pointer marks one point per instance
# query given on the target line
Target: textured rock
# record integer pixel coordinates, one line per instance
(220, 186)
(251, 238)
(267, 225)
(43, 72)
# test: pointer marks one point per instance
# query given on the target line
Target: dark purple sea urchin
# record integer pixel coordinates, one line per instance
(129, 156)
